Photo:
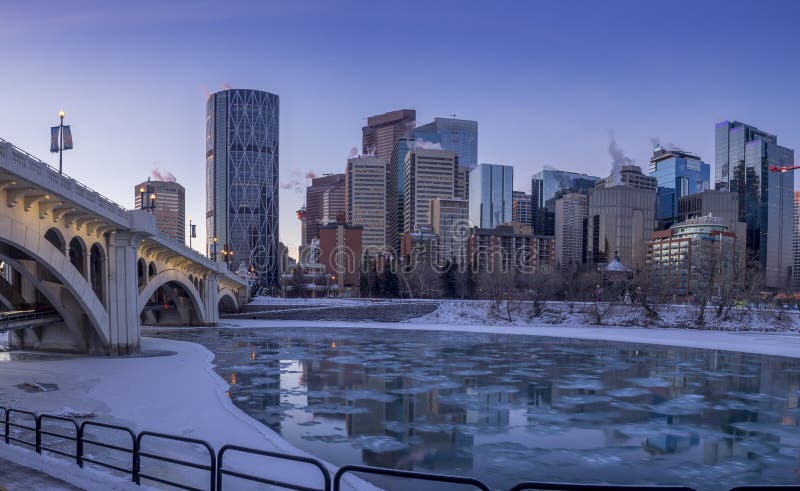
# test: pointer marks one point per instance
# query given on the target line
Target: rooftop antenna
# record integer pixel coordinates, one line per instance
(453, 116)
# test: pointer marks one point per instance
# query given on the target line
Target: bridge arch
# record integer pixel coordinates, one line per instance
(17, 239)
(227, 302)
(172, 277)
(97, 271)
(55, 237)
(77, 254)
(141, 273)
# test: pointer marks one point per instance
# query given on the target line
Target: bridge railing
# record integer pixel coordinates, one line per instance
(37, 167)
(29, 428)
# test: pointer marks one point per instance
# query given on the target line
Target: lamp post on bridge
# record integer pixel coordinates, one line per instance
(60, 140)
(192, 232)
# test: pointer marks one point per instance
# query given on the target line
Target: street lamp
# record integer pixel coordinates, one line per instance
(60, 139)
(147, 197)
(214, 253)
(192, 232)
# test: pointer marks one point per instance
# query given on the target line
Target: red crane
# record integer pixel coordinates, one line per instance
(785, 168)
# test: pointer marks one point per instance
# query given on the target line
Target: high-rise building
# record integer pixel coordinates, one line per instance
(521, 207)
(168, 199)
(429, 174)
(450, 221)
(796, 241)
(678, 174)
(546, 183)
(720, 204)
(570, 222)
(744, 155)
(621, 219)
(395, 191)
(507, 248)
(365, 187)
(325, 200)
(381, 131)
(340, 252)
(629, 175)
(456, 135)
(242, 179)
(490, 191)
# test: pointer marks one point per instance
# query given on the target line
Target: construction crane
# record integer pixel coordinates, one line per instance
(785, 168)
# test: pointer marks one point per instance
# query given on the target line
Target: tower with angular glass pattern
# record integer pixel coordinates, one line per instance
(242, 181)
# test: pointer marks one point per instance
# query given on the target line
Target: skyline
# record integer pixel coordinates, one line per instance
(136, 100)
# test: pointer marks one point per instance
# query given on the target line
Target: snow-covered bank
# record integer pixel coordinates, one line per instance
(576, 314)
(175, 394)
(764, 343)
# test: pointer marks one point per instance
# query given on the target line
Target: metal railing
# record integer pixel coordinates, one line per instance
(217, 471)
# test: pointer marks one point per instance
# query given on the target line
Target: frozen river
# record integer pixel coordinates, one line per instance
(507, 408)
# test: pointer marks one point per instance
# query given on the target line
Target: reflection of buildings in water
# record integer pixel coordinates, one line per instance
(262, 387)
(668, 443)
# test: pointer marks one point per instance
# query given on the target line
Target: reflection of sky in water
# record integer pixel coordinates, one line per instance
(511, 408)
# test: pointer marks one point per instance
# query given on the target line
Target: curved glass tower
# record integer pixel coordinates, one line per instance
(242, 181)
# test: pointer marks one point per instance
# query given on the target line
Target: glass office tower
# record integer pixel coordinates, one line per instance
(679, 174)
(455, 135)
(744, 155)
(242, 181)
(490, 190)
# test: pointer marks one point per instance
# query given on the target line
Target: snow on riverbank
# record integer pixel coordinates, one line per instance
(176, 394)
(577, 314)
(765, 343)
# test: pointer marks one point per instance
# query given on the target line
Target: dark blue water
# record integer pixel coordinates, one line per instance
(511, 408)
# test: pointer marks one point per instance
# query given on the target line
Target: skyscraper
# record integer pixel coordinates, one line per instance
(365, 187)
(620, 220)
(242, 179)
(325, 200)
(679, 174)
(169, 199)
(450, 221)
(744, 155)
(456, 135)
(544, 186)
(521, 207)
(796, 241)
(381, 131)
(429, 174)
(490, 191)
(570, 218)
(395, 186)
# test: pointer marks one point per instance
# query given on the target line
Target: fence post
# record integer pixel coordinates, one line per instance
(79, 447)
(136, 462)
(7, 428)
(38, 433)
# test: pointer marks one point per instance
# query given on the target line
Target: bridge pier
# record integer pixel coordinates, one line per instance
(123, 293)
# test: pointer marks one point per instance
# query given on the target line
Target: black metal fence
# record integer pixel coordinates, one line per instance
(43, 433)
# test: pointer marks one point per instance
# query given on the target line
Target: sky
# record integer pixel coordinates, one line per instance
(548, 82)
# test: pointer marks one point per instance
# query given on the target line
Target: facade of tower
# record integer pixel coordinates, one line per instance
(429, 174)
(169, 201)
(521, 207)
(490, 191)
(325, 201)
(455, 135)
(679, 174)
(365, 188)
(395, 191)
(570, 239)
(744, 155)
(796, 241)
(242, 180)
(381, 131)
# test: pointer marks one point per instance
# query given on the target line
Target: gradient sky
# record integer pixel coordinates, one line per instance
(547, 81)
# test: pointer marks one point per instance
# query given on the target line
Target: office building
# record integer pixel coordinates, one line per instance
(325, 200)
(395, 192)
(570, 224)
(721, 204)
(381, 131)
(796, 241)
(678, 174)
(167, 201)
(365, 189)
(676, 262)
(521, 207)
(242, 179)
(490, 191)
(620, 220)
(546, 183)
(629, 175)
(429, 174)
(744, 155)
(455, 135)
(340, 251)
(450, 221)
